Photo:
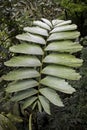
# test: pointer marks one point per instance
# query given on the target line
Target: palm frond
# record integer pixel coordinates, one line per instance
(45, 61)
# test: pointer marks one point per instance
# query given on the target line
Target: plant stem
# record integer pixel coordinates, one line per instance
(30, 122)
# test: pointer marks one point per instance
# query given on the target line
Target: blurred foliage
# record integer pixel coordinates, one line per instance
(14, 15)
(77, 11)
(6, 124)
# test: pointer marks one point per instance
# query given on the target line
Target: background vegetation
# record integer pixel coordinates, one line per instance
(14, 15)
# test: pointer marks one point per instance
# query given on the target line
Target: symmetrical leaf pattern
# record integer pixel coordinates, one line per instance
(44, 63)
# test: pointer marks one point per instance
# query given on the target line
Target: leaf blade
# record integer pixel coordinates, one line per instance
(23, 61)
(26, 48)
(21, 85)
(61, 72)
(63, 59)
(64, 36)
(39, 106)
(24, 94)
(46, 21)
(36, 30)
(63, 23)
(64, 46)
(31, 38)
(41, 24)
(64, 28)
(45, 104)
(52, 96)
(57, 84)
(21, 74)
(56, 21)
(29, 101)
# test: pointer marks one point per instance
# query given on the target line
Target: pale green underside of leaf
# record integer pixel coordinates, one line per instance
(63, 23)
(27, 48)
(39, 106)
(45, 104)
(36, 30)
(21, 74)
(29, 101)
(31, 38)
(57, 84)
(56, 21)
(47, 21)
(63, 36)
(21, 85)
(24, 94)
(42, 25)
(63, 59)
(64, 46)
(64, 28)
(61, 72)
(34, 105)
(52, 96)
(23, 61)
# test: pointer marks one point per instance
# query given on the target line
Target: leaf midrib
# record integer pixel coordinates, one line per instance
(42, 63)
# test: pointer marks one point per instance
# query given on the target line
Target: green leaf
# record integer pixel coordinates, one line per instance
(63, 59)
(58, 84)
(56, 21)
(52, 96)
(64, 28)
(1, 128)
(39, 106)
(24, 94)
(36, 30)
(63, 23)
(42, 25)
(61, 72)
(27, 48)
(14, 118)
(6, 124)
(45, 104)
(34, 105)
(21, 74)
(21, 85)
(63, 35)
(46, 21)
(29, 101)
(23, 61)
(31, 38)
(64, 46)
